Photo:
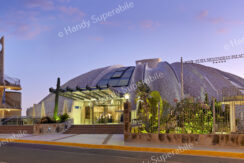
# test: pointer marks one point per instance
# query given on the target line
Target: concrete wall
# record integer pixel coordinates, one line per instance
(236, 140)
(49, 128)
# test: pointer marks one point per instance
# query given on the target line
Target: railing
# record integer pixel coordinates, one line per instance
(11, 81)
(192, 118)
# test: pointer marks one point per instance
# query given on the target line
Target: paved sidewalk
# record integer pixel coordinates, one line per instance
(107, 139)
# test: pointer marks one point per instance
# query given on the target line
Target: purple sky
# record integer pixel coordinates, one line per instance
(166, 29)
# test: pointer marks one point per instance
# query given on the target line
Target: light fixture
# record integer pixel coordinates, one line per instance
(126, 96)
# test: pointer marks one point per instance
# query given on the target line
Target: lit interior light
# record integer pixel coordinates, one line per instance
(127, 96)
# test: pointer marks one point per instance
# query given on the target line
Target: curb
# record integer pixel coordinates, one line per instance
(129, 148)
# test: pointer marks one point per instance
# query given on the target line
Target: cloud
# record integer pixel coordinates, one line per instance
(111, 23)
(222, 31)
(29, 31)
(43, 4)
(34, 17)
(55, 5)
(63, 1)
(235, 22)
(96, 38)
(149, 24)
(203, 14)
(23, 24)
(216, 20)
(131, 27)
(71, 11)
(145, 24)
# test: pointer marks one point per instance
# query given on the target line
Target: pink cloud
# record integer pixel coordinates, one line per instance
(63, 1)
(54, 6)
(28, 22)
(43, 4)
(111, 23)
(203, 14)
(97, 38)
(24, 24)
(182, 8)
(222, 31)
(216, 20)
(71, 11)
(149, 24)
(235, 22)
(131, 27)
(28, 31)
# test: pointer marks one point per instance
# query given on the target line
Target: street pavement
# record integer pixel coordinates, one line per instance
(34, 153)
(106, 139)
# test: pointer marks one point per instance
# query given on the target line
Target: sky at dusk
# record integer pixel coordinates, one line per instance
(39, 46)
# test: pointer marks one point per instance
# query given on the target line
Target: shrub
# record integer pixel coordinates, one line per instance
(45, 120)
(63, 118)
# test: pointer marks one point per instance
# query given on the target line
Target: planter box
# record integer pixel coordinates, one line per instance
(236, 140)
(51, 128)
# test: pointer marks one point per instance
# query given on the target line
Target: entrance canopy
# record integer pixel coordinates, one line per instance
(93, 105)
(89, 93)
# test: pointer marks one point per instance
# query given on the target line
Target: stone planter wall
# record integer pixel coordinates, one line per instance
(195, 139)
(51, 128)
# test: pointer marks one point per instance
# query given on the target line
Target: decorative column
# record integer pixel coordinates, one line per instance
(2, 62)
(43, 110)
(232, 117)
(214, 120)
(1, 69)
(182, 80)
(159, 118)
(65, 107)
(34, 111)
(127, 119)
(55, 114)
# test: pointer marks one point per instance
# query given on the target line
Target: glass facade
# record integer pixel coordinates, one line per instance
(107, 108)
(108, 112)
(117, 78)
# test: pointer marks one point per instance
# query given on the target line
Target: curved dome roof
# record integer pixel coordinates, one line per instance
(198, 80)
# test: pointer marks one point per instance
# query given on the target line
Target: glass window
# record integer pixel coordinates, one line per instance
(123, 82)
(117, 74)
(127, 74)
(103, 83)
(108, 76)
(118, 77)
(122, 69)
(113, 82)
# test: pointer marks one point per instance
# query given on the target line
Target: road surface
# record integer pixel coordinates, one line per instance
(33, 153)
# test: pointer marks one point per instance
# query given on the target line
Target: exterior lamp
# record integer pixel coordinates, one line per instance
(126, 96)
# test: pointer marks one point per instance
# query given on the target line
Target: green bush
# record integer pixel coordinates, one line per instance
(47, 119)
(63, 118)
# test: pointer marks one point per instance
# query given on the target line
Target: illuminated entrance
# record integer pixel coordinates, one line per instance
(94, 105)
(233, 102)
(102, 104)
